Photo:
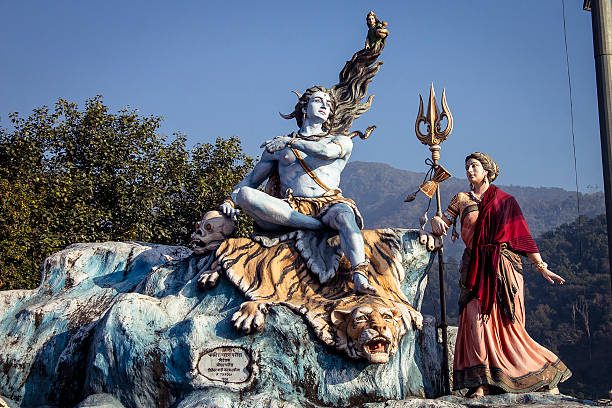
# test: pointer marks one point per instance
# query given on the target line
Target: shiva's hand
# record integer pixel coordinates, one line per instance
(276, 144)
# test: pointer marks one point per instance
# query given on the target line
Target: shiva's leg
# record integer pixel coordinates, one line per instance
(342, 218)
(270, 212)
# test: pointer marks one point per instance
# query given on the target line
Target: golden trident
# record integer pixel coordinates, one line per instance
(435, 135)
(433, 138)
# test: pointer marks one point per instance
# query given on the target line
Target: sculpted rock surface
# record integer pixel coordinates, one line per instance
(128, 320)
(125, 325)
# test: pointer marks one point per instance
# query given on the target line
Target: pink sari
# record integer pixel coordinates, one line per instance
(494, 348)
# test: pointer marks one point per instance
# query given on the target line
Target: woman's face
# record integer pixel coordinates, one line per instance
(474, 171)
(371, 21)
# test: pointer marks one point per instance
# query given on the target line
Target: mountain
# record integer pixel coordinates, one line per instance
(379, 191)
(575, 320)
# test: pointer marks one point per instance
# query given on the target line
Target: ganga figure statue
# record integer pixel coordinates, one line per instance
(494, 353)
(303, 168)
(377, 32)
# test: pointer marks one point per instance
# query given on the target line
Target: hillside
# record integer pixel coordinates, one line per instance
(379, 191)
(575, 320)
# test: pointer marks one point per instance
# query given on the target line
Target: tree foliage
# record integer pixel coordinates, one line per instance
(575, 320)
(70, 175)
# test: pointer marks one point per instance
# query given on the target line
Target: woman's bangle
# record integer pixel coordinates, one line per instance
(291, 141)
(540, 266)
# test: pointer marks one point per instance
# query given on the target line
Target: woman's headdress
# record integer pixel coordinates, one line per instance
(488, 164)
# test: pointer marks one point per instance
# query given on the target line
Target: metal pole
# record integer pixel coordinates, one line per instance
(443, 324)
(601, 17)
(433, 138)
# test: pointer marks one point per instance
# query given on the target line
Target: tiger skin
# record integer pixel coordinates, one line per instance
(362, 326)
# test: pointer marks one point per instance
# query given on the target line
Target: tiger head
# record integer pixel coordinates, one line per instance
(371, 329)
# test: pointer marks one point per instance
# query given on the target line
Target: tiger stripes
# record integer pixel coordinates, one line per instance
(278, 276)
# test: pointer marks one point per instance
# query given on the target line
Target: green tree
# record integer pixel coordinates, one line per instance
(575, 320)
(69, 176)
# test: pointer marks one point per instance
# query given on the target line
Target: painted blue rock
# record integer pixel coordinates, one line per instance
(127, 321)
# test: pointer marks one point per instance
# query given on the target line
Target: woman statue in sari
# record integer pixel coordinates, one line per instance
(493, 352)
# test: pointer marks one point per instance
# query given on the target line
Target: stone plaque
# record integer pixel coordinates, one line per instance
(227, 364)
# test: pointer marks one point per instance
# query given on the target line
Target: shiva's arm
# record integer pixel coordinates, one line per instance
(337, 148)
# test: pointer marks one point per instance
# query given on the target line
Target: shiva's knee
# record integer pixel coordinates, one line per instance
(245, 196)
(345, 220)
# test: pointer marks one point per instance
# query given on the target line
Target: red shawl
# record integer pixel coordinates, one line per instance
(500, 220)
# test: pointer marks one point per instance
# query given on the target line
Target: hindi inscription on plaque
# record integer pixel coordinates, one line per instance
(227, 364)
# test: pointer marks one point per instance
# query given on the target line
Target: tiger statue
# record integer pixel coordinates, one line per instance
(361, 326)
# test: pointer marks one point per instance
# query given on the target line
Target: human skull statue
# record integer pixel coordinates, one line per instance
(210, 232)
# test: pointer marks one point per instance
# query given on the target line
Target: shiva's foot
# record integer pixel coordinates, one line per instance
(360, 280)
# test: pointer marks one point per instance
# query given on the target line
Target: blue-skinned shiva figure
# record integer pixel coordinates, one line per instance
(303, 169)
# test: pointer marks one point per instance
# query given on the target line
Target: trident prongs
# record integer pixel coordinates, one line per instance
(432, 109)
(435, 135)
(446, 113)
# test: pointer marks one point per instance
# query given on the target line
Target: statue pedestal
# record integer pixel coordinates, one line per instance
(128, 320)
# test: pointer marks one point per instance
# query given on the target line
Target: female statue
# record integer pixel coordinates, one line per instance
(493, 351)
(377, 32)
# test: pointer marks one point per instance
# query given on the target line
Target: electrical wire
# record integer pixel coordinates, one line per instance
(571, 99)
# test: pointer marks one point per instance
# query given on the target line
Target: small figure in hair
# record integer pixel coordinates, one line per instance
(377, 32)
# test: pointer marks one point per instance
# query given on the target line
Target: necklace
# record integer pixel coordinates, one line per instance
(473, 197)
(312, 137)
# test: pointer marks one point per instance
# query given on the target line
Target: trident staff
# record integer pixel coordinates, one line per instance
(433, 137)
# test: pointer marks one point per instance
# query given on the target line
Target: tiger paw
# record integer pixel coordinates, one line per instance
(417, 319)
(208, 280)
(250, 318)
(429, 240)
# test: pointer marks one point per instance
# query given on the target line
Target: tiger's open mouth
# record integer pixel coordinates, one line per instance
(377, 345)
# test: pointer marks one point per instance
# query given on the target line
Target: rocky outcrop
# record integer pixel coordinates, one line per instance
(127, 320)
(125, 325)
(200, 399)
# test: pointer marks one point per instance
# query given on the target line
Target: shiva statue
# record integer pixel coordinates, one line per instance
(303, 169)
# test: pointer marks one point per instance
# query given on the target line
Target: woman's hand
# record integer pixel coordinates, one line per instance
(551, 276)
(438, 226)
(542, 267)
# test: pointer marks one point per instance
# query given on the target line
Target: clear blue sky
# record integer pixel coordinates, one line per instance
(226, 68)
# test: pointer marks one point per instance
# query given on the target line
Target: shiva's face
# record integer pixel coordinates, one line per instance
(319, 107)
(474, 171)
